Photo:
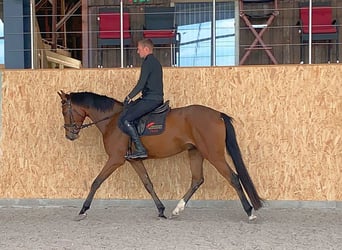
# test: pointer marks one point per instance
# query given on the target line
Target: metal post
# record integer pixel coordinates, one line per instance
(32, 14)
(213, 35)
(310, 31)
(121, 33)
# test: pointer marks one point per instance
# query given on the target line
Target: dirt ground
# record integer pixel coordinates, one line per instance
(138, 227)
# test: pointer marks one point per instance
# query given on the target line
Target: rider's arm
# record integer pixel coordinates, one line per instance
(144, 74)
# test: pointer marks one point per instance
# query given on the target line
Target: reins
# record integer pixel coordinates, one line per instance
(93, 123)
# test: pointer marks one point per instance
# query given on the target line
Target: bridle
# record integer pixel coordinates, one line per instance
(73, 127)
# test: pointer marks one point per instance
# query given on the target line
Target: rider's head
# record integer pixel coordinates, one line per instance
(145, 47)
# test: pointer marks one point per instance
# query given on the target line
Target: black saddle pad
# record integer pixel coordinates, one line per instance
(153, 123)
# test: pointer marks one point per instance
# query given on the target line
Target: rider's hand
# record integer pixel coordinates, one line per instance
(127, 101)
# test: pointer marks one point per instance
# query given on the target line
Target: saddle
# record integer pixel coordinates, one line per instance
(153, 123)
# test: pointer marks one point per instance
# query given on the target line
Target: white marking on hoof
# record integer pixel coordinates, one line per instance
(252, 217)
(80, 217)
(179, 208)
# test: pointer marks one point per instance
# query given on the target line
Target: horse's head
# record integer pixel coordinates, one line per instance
(73, 116)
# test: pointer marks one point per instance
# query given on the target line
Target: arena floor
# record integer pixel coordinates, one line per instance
(125, 226)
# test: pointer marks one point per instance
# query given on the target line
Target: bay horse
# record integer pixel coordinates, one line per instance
(202, 131)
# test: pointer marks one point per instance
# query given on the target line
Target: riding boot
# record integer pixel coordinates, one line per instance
(140, 151)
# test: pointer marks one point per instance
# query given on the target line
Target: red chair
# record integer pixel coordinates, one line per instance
(109, 30)
(160, 27)
(324, 28)
(253, 18)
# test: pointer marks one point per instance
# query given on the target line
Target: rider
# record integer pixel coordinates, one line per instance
(150, 84)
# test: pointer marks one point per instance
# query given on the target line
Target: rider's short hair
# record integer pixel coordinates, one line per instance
(146, 43)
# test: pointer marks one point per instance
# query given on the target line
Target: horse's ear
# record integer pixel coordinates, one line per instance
(61, 94)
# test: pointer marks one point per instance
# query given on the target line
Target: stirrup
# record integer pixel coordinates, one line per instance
(133, 153)
(136, 155)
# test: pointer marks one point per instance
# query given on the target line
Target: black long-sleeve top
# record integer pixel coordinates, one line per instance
(150, 82)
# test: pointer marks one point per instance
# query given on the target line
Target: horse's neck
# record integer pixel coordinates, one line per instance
(101, 119)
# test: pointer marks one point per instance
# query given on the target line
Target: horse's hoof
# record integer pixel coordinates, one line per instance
(162, 216)
(252, 217)
(175, 213)
(173, 216)
(80, 217)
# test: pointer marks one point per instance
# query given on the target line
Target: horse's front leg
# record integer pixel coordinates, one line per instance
(143, 175)
(196, 167)
(106, 171)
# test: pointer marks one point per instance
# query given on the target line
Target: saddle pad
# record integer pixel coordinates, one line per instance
(152, 123)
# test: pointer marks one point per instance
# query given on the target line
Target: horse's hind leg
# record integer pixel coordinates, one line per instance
(141, 171)
(196, 167)
(235, 182)
(224, 169)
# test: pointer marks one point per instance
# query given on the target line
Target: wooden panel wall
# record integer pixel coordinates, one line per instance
(288, 121)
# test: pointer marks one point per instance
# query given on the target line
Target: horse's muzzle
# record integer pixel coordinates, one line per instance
(71, 136)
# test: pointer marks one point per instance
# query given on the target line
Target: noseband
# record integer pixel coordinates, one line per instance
(73, 127)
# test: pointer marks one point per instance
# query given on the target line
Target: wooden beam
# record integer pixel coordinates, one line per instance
(53, 25)
(68, 15)
(63, 28)
(85, 34)
(40, 4)
(62, 60)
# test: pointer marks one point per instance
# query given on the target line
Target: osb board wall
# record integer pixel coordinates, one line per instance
(288, 121)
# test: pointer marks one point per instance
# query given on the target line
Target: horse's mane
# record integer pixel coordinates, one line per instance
(92, 100)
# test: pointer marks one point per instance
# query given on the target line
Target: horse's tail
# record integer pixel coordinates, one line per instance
(235, 153)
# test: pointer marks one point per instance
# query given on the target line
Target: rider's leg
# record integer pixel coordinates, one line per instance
(140, 151)
(132, 112)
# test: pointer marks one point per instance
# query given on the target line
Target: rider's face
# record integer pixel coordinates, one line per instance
(142, 51)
